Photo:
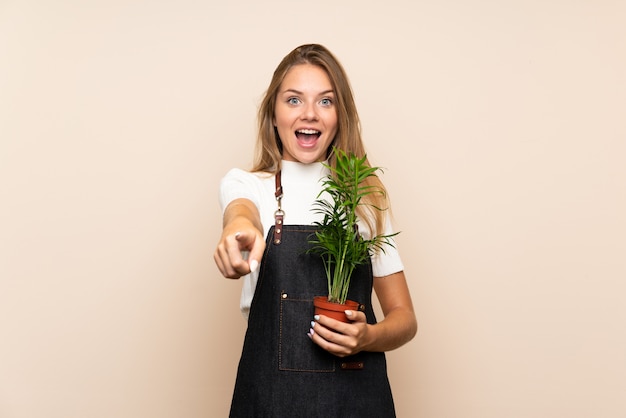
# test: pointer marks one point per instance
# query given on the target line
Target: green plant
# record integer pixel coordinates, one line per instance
(337, 238)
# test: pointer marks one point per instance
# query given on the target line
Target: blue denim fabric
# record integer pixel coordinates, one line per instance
(281, 372)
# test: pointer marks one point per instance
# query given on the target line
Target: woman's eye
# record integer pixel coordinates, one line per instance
(293, 100)
(326, 102)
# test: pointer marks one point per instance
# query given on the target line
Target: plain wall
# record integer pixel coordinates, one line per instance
(501, 125)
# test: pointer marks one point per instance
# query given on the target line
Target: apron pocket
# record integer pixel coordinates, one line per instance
(296, 352)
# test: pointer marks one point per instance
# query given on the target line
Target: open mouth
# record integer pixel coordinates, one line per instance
(307, 135)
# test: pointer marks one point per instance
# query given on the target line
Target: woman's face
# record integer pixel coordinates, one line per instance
(305, 114)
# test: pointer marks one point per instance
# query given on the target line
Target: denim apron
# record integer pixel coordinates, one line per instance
(282, 373)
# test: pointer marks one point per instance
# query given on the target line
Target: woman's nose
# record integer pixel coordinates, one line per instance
(309, 112)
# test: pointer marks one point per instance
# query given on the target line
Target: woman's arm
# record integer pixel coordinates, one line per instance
(397, 328)
(399, 325)
(242, 231)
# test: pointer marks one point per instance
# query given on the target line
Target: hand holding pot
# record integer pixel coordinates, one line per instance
(340, 338)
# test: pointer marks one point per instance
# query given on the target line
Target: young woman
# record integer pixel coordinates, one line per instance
(294, 364)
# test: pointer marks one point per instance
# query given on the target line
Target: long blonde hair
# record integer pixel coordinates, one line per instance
(268, 155)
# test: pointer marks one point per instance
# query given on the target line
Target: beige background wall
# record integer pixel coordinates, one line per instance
(501, 124)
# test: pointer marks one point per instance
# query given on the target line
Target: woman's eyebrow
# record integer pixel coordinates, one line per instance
(299, 92)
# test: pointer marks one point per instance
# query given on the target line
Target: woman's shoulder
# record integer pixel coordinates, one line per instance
(241, 175)
(238, 183)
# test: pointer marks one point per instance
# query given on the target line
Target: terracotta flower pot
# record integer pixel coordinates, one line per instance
(334, 310)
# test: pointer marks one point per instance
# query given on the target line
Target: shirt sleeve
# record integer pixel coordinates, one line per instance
(239, 184)
(388, 261)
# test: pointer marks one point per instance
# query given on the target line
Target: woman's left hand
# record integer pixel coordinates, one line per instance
(340, 338)
(397, 327)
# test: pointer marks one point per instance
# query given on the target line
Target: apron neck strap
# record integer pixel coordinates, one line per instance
(279, 186)
(279, 214)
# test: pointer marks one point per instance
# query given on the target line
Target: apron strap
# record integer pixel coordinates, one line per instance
(279, 214)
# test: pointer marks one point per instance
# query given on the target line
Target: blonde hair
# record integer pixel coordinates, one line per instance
(268, 155)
